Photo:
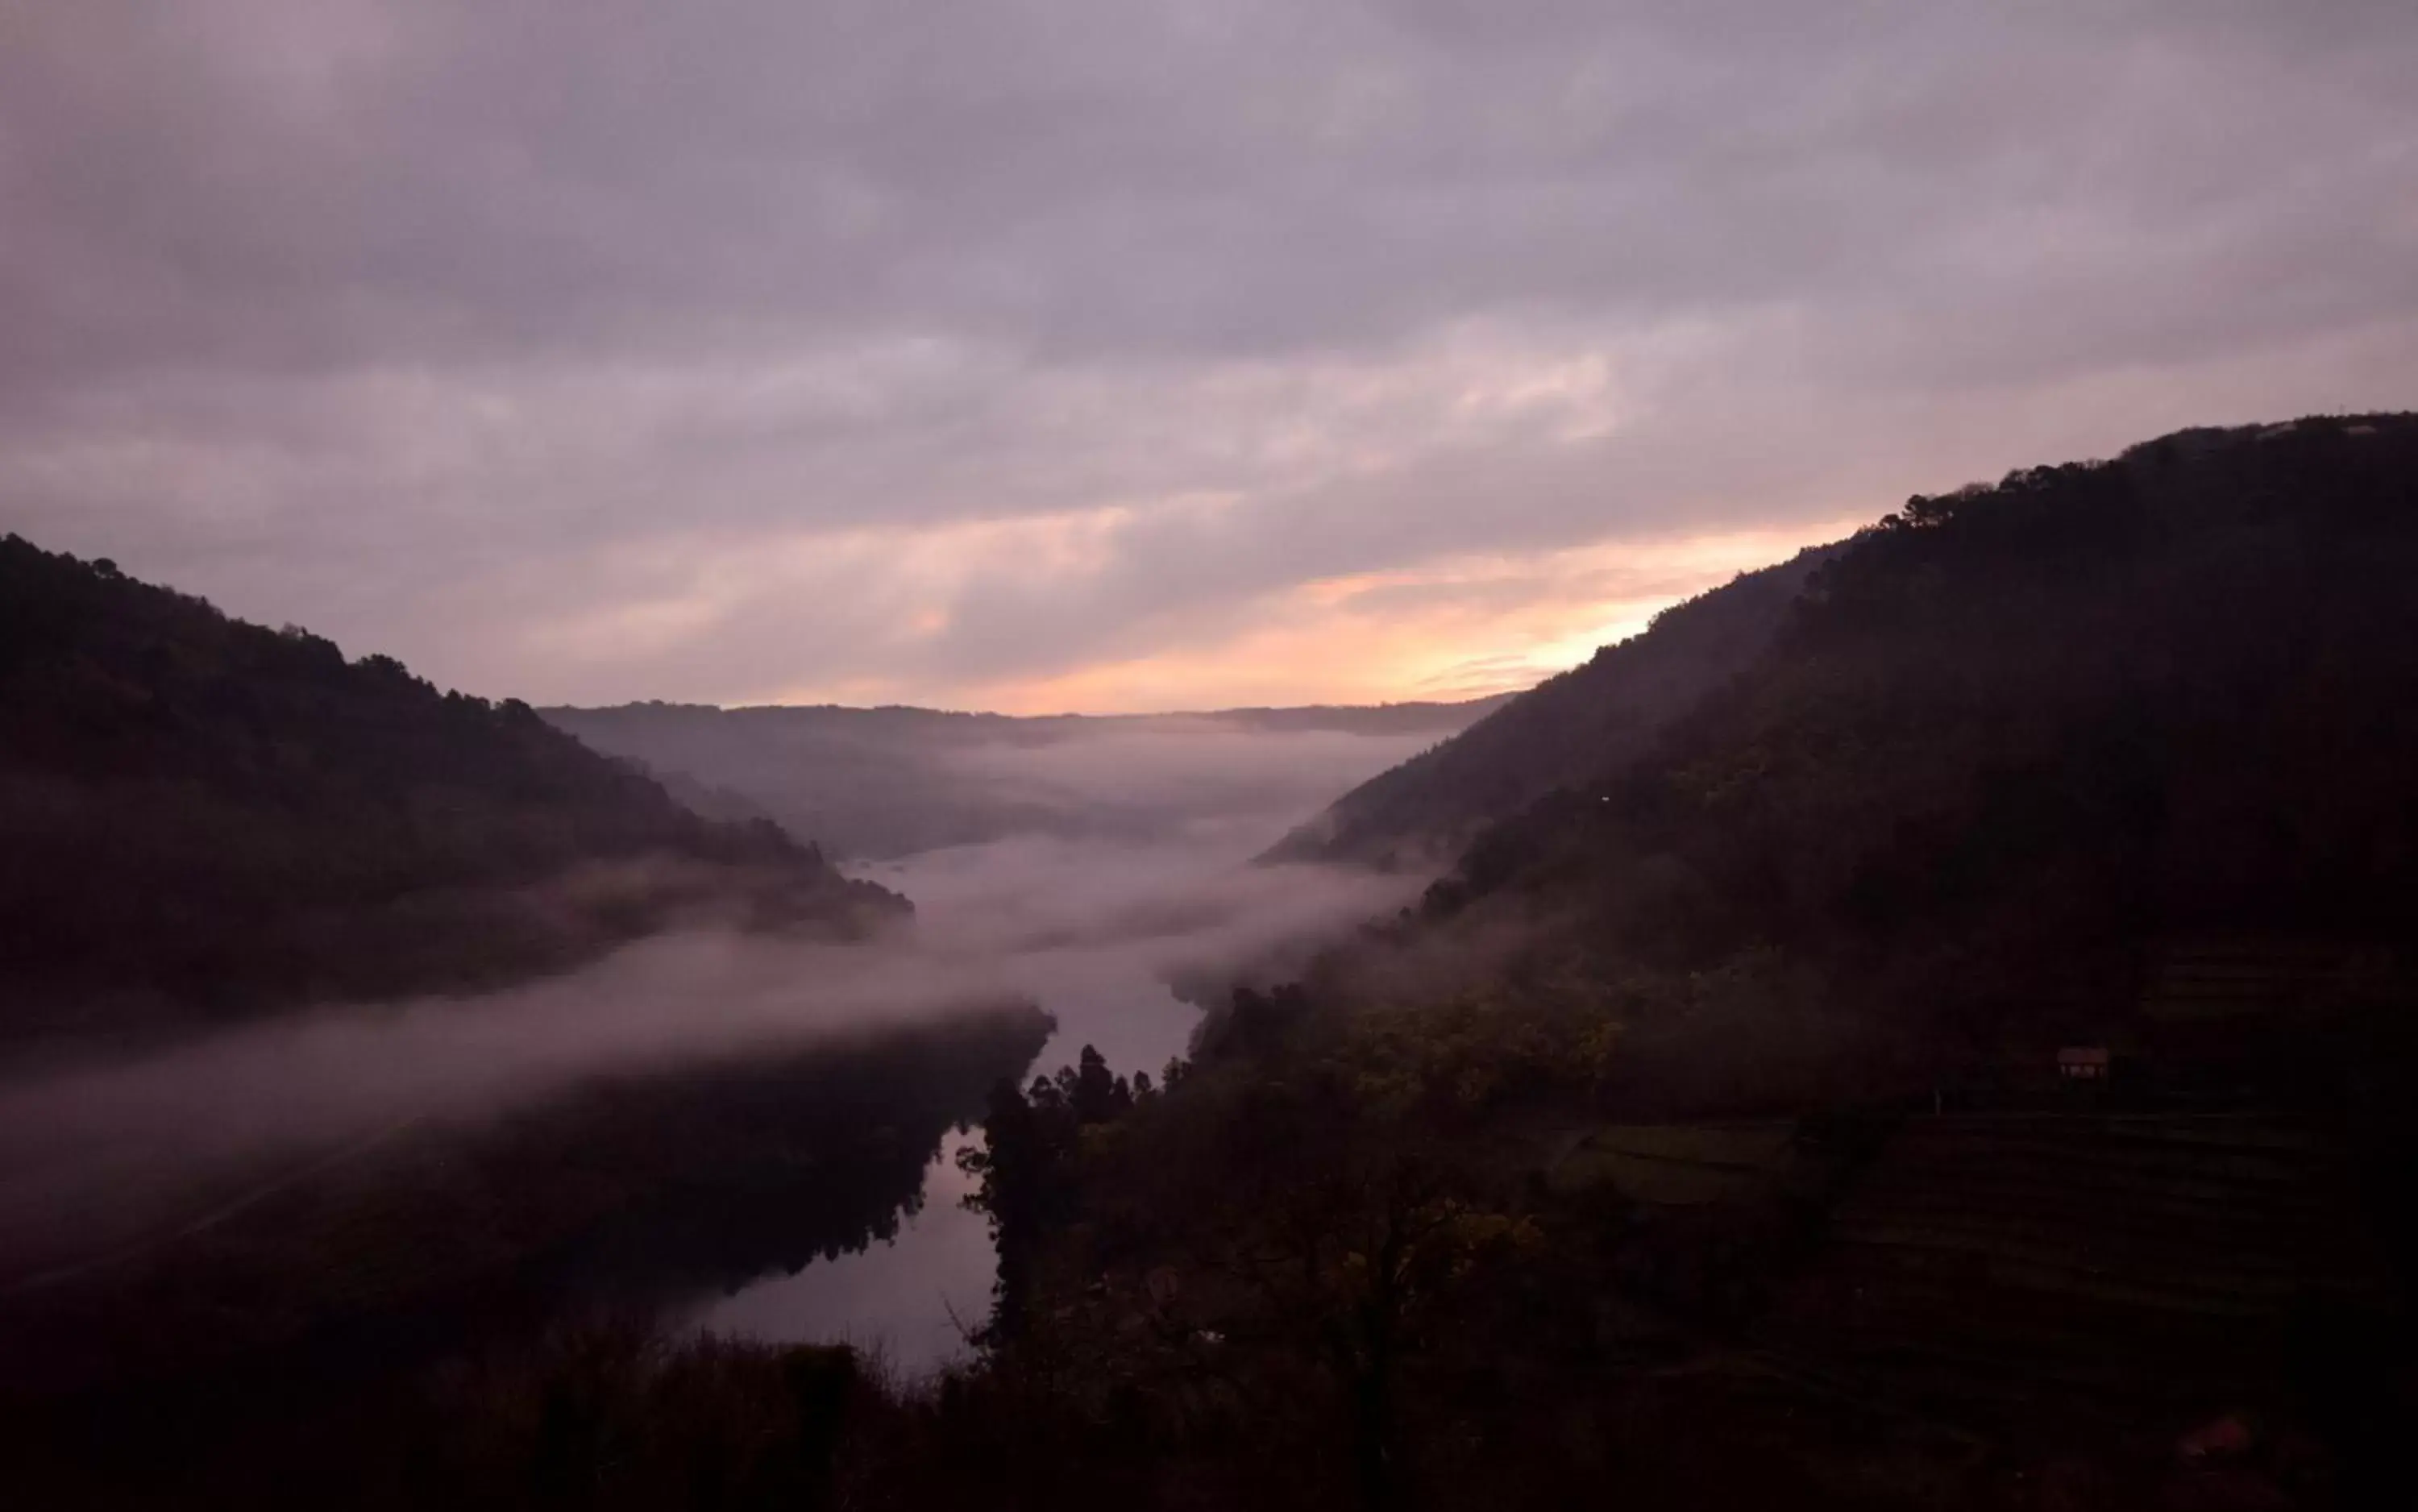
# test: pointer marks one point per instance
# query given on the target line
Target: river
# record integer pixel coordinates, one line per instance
(1091, 931)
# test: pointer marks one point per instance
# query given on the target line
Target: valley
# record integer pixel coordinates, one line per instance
(1932, 1011)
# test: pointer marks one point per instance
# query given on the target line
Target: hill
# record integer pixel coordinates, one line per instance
(2012, 739)
(1557, 735)
(201, 818)
(1701, 1141)
(1702, 1134)
(884, 783)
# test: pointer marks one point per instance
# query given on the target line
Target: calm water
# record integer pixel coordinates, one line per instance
(913, 1297)
(910, 1299)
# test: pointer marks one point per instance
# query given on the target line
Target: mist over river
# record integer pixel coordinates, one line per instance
(1092, 931)
(271, 1139)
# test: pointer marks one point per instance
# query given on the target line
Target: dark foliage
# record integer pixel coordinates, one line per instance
(1405, 1236)
(200, 817)
(1025, 1168)
(2011, 737)
(421, 1323)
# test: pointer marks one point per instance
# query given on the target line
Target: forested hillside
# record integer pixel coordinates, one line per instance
(201, 817)
(1557, 735)
(1701, 1141)
(2013, 738)
(1714, 1101)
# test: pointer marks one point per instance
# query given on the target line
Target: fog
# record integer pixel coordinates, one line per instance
(1191, 774)
(105, 1158)
(885, 784)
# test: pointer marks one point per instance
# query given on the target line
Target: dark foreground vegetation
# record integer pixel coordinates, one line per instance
(201, 820)
(1960, 1059)
(274, 1359)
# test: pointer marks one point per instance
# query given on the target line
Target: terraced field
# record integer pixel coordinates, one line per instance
(1680, 1165)
(2093, 1263)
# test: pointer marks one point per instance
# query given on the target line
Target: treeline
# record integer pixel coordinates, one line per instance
(201, 817)
(1025, 1170)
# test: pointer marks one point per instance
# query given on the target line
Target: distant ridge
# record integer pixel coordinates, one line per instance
(1413, 717)
(873, 784)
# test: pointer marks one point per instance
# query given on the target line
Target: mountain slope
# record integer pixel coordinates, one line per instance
(2013, 736)
(200, 817)
(1559, 734)
(1684, 1045)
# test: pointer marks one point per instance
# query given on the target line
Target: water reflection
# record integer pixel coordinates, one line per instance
(915, 1295)
(912, 1298)
(1092, 931)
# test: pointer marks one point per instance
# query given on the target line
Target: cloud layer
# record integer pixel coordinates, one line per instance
(1135, 353)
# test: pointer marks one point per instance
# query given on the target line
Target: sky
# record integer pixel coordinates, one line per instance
(1121, 355)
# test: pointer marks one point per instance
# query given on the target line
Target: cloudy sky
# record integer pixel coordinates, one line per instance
(1130, 353)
